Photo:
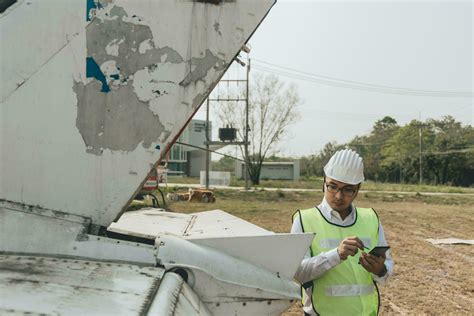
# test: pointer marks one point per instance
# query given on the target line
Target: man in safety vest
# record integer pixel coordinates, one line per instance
(337, 274)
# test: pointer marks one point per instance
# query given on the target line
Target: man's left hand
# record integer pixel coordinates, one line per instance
(372, 263)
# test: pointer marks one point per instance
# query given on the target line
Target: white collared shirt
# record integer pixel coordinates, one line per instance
(313, 267)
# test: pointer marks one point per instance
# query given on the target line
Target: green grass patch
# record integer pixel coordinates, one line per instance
(316, 183)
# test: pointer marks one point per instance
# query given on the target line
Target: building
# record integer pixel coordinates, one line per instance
(288, 170)
(186, 160)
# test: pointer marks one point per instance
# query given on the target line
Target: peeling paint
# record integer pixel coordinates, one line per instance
(91, 6)
(123, 57)
(116, 121)
(148, 86)
(200, 67)
(124, 60)
(93, 71)
(110, 71)
(131, 35)
(112, 48)
(145, 45)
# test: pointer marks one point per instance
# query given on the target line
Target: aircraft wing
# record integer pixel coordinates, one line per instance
(59, 286)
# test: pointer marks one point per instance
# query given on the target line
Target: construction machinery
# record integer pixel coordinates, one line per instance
(93, 94)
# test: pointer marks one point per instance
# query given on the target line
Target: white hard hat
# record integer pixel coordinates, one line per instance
(346, 166)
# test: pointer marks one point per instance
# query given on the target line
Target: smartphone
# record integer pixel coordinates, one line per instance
(379, 251)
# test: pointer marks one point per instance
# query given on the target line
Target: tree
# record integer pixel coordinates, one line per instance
(401, 153)
(446, 152)
(226, 163)
(391, 152)
(447, 156)
(272, 109)
(313, 165)
(370, 148)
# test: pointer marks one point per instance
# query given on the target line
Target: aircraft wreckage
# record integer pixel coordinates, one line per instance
(93, 94)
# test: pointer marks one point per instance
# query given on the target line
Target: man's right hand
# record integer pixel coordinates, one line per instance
(349, 247)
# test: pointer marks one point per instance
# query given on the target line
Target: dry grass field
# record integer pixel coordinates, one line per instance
(428, 279)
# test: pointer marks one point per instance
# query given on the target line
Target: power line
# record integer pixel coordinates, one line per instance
(358, 82)
(209, 150)
(453, 93)
(331, 81)
(448, 152)
(349, 86)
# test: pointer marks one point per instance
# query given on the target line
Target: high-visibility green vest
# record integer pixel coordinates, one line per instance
(347, 289)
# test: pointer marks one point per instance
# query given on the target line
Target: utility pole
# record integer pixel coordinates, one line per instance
(208, 153)
(421, 168)
(246, 140)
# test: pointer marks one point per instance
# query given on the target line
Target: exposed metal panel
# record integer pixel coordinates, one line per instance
(227, 285)
(216, 274)
(175, 297)
(218, 223)
(224, 232)
(109, 88)
(33, 233)
(36, 231)
(58, 286)
(279, 253)
(149, 223)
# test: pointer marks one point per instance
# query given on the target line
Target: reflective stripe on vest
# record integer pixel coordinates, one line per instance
(347, 289)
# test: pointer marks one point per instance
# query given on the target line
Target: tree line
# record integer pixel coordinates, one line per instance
(437, 151)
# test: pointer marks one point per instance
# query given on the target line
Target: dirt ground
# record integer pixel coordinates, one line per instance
(428, 279)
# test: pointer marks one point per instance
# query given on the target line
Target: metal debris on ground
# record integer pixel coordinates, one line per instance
(178, 196)
(450, 241)
(202, 195)
(193, 195)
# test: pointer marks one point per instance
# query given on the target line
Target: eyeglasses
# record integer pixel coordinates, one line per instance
(346, 191)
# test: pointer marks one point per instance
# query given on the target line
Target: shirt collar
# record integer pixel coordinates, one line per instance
(330, 213)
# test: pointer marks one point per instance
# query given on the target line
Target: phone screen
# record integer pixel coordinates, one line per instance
(379, 250)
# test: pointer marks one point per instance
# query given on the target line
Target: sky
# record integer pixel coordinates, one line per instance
(422, 45)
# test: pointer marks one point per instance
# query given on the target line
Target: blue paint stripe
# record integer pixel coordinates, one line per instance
(90, 4)
(93, 71)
